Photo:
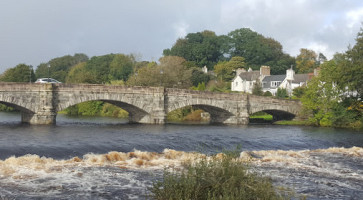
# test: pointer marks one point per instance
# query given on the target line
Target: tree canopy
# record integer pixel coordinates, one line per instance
(58, 68)
(207, 49)
(19, 73)
(202, 48)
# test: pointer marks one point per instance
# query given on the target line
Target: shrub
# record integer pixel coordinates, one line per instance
(281, 93)
(267, 94)
(221, 177)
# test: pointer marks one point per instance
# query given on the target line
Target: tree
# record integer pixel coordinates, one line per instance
(202, 48)
(306, 61)
(325, 97)
(298, 92)
(171, 72)
(281, 93)
(19, 73)
(258, 50)
(321, 58)
(319, 99)
(175, 73)
(79, 74)
(225, 70)
(257, 89)
(267, 94)
(198, 76)
(121, 67)
(58, 68)
(99, 67)
(353, 71)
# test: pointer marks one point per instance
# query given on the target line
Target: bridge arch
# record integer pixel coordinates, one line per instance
(279, 114)
(24, 110)
(136, 112)
(280, 109)
(217, 114)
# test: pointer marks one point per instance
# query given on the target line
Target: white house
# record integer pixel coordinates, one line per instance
(245, 80)
(290, 81)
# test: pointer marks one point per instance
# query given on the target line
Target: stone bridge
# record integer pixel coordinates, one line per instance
(39, 103)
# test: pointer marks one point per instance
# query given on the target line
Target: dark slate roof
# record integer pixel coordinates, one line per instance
(274, 78)
(250, 76)
(266, 82)
(298, 78)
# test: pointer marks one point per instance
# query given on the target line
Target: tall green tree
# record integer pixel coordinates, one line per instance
(99, 67)
(79, 74)
(198, 76)
(203, 48)
(258, 50)
(58, 68)
(19, 73)
(121, 67)
(257, 89)
(353, 72)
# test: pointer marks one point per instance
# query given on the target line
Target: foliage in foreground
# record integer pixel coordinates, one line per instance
(221, 177)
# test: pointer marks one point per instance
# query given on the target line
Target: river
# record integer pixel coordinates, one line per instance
(106, 158)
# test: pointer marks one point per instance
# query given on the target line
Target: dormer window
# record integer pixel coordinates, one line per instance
(275, 83)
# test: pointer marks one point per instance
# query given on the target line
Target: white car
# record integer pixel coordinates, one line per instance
(46, 80)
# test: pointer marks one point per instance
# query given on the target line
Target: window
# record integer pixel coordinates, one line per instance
(275, 83)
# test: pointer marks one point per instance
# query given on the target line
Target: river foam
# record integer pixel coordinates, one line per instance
(106, 174)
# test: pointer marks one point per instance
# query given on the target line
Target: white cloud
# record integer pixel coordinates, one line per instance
(181, 29)
(354, 17)
(36, 31)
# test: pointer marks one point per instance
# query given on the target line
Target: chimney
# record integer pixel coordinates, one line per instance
(264, 71)
(239, 71)
(290, 74)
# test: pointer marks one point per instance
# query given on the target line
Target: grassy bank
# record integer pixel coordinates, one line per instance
(185, 114)
(95, 108)
(4, 108)
(223, 176)
(262, 115)
(293, 123)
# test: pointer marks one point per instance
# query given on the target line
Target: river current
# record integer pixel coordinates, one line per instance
(106, 158)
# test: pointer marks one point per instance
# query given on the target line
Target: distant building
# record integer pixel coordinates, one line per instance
(289, 81)
(245, 80)
(205, 69)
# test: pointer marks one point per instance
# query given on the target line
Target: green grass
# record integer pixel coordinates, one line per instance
(262, 115)
(221, 177)
(304, 123)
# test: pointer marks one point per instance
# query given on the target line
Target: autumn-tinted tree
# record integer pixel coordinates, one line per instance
(226, 70)
(20, 73)
(171, 72)
(306, 61)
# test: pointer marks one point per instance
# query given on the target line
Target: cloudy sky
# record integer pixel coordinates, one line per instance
(35, 31)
